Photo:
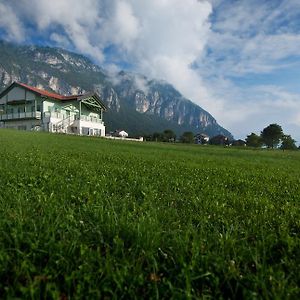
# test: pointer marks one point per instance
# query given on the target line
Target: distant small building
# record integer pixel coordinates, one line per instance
(201, 139)
(121, 133)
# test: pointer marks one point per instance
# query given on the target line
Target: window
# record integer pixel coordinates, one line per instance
(85, 130)
(21, 109)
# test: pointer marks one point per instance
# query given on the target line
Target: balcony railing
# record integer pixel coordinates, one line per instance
(89, 119)
(58, 115)
(23, 115)
(55, 114)
(37, 115)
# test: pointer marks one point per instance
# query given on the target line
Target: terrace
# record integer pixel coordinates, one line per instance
(62, 116)
(20, 115)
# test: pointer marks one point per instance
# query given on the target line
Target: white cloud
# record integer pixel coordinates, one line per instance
(250, 110)
(125, 26)
(10, 24)
(252, 37)
(77, 21)
(173, 33)
(60, 40)
(159, 38)
(163, 38)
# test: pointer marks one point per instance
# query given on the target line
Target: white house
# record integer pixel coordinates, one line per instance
(25, 107)
(123, 134)
(201, 139)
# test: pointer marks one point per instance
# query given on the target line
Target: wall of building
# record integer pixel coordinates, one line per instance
(89, 113)
(53, 112)
(90, 128)
(17, 93)
(23, 124)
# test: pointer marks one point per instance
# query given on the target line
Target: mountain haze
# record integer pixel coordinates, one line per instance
(135, 103)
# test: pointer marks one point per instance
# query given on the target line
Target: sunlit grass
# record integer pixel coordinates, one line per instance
(91, 218)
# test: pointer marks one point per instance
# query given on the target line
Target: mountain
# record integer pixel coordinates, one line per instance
(136, 104)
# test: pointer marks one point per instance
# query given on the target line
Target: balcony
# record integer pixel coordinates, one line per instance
(23, 115)
(58, 115)
(89, 119)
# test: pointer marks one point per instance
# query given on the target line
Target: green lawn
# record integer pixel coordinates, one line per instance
(88, 218)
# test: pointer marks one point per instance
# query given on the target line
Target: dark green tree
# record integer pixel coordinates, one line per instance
(219, 140)
(157, 137)
(187, 137)
(271, 135)
(254, 140)
(288, 143)
(169, 135)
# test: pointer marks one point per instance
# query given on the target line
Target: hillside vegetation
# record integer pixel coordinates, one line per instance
(136, 104)
(88, 218)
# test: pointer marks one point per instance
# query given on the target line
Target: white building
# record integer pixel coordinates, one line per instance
(25, 107)
(201, 139)
(122, 134)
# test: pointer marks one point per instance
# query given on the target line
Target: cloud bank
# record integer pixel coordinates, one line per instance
(210, 50)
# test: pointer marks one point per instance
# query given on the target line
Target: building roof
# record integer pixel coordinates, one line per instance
(202, 135)
(53, 95)
(46, 93)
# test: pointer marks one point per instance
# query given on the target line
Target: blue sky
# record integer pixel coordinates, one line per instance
(238, 59)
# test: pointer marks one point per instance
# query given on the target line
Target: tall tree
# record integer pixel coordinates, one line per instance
(169, 135)
(158, 137)
(254, 140)
(288, 143)
(187, 137)
(271, 135)
(219, 140)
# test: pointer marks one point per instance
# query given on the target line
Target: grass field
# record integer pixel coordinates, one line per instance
(87, 218)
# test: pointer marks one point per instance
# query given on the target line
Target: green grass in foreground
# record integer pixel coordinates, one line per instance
(91, 218)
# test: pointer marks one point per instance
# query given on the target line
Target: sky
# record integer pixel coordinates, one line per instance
(237, 59)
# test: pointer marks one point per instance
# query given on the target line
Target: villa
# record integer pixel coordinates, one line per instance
(25, 107)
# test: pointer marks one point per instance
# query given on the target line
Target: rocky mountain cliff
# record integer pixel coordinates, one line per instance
(136, 104)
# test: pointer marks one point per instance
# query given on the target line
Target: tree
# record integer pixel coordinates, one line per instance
(169, 135)
(238, 143)
(157, 136)
(187, 137)
(288, 143)
(254, 140)
(219, 140)
(271, 135)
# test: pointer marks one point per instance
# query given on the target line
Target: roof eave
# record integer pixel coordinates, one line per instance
(82, 97)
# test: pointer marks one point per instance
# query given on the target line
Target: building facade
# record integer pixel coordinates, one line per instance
(25, 107)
